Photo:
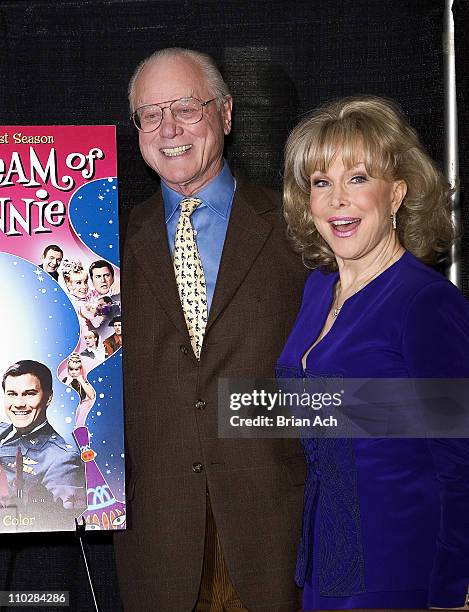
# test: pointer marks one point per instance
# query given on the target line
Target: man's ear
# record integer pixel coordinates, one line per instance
(227, 107)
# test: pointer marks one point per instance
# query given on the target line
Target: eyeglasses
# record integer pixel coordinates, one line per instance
(148, 118)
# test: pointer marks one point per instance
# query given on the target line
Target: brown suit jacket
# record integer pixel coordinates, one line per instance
(171, 416)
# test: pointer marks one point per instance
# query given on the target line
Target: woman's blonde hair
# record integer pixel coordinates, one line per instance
(69, 266)
(74, 360)
(375, 130)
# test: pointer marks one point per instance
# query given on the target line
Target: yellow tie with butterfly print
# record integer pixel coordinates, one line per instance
(190, 277)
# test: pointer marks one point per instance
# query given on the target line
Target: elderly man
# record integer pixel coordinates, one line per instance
(211, 291)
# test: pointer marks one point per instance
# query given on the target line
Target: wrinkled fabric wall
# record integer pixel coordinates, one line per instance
(70, 62)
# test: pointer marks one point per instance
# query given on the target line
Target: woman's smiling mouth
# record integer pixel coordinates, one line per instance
(343, 227)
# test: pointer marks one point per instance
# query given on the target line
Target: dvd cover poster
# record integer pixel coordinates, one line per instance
(61, 417)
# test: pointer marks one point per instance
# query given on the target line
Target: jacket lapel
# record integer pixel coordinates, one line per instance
(150, 246)
(246, 235)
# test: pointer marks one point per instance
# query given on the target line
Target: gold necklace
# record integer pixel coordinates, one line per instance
(335, 305)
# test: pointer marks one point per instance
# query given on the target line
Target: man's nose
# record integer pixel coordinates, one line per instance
(169, 127)
(19, 402)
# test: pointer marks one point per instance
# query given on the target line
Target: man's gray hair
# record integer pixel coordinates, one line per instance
(217, 86)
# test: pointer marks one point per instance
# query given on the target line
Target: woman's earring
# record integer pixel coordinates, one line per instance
(393, 220)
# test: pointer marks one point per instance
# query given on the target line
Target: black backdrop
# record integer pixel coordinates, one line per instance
(70, 62)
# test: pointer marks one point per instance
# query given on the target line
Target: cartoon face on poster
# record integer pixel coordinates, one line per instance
(61, 420)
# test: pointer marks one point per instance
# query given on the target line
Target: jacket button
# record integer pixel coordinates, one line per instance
(184, 350)
(200, 404)
(197, 468)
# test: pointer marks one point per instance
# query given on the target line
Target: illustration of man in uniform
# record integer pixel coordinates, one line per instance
(51, 260)
(113, 342)
(32, 454)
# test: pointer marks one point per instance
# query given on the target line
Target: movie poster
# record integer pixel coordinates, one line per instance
(61, 417)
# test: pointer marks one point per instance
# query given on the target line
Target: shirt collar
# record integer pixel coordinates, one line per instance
(217, 195)
(15, 433)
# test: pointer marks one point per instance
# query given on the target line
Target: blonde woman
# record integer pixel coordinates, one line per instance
(386, 521)
(76, 378)
(76, 281)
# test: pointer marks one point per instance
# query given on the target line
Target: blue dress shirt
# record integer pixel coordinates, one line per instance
(209, 220)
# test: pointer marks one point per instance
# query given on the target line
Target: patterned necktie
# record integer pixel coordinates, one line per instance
(190, 277)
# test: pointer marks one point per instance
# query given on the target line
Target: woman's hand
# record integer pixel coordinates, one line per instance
(88, 389)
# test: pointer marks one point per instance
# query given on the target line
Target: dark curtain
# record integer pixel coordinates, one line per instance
(70, 62)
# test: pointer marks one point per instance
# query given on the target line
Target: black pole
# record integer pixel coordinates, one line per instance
(80, 532)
